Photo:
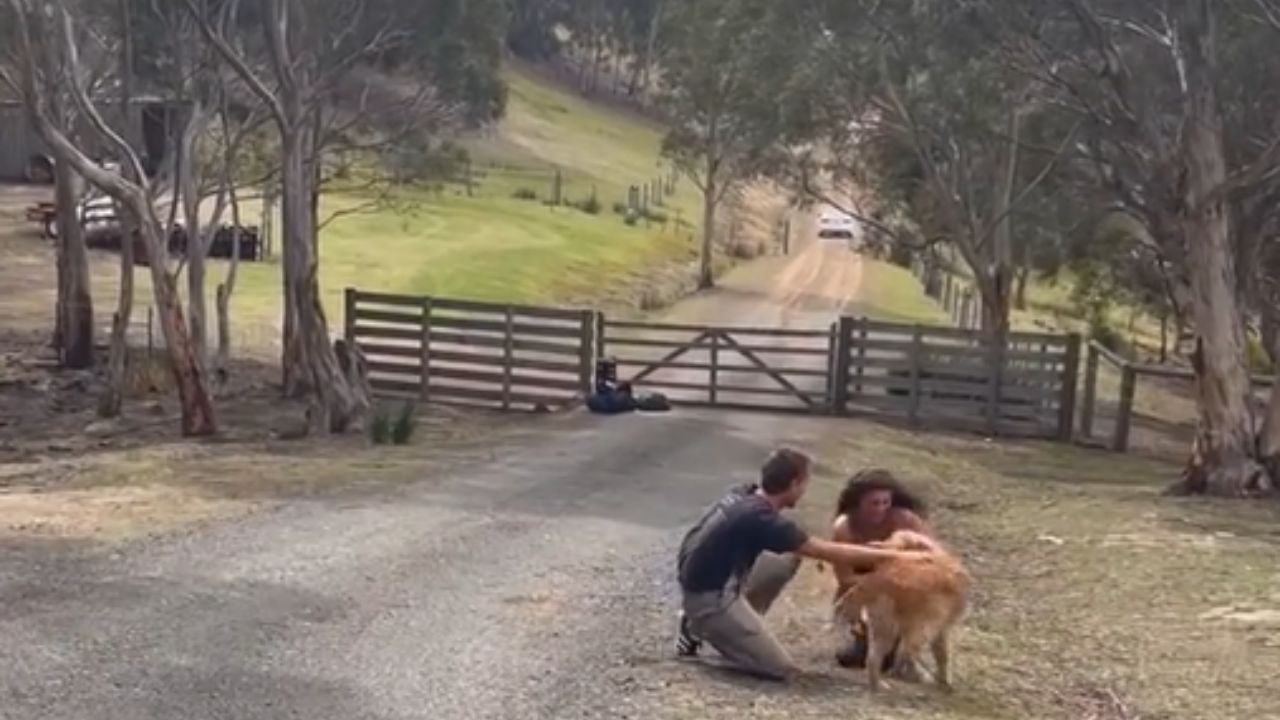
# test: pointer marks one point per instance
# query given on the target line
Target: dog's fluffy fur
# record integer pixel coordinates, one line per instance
(912, 602)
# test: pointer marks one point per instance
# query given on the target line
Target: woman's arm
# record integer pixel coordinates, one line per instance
(845, 575)
(845, 554)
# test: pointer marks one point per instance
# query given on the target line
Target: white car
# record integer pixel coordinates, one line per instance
(837, 228)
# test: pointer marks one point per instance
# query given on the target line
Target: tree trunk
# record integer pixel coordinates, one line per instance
(1164, 336)
(706, 278)
(74, 323)
(1223, 453)
(995, 297)
(185, 364)
(1020, 288)
(222, 301)
(197, 311)
(339, 405)
(1269, 435)
(112, 400)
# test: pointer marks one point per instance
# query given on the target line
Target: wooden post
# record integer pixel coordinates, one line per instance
(833, 353)
(1070, 381)
(586, 347)
(714, 368)
(1128, 385)
(1090, 392)
(424, 376)
(840, 368)
(917, 357)
(508, 347)
(862, 351)
(995, 380)
(350, 297)
(601, 326)
(150, 331)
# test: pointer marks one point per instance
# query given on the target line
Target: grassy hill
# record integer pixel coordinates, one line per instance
(491, 245)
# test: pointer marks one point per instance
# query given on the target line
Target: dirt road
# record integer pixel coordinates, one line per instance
(533, 584)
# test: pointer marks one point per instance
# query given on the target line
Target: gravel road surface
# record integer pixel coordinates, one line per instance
(534, 584)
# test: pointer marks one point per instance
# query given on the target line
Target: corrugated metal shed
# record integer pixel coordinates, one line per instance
(19, 142)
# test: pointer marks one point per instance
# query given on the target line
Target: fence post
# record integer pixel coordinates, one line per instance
(1090, 392)
(601, 326)
(995, 379)
(833, 351)
(840, 367)
(150, 331)
(1128, 384)
(714, 368)
(424, 376)
(586, 346)
(508, 346)
(1070, 381)
(348, 318)
(917, 353)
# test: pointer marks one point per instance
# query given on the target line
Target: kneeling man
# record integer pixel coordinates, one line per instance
(737, 559)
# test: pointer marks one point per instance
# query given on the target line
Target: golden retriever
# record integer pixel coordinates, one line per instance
(911, 602)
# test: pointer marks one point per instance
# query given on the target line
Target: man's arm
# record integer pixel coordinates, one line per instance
(834, 552)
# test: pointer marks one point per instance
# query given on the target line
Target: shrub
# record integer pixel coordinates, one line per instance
(630, 219)
(590, 206)
(525, 194)
(620, 208)
(1256, 355)
(405, 424)
(1102, 332)
(380, 427)
(656, 216)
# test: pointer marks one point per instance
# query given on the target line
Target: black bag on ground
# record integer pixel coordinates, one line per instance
(653, 402)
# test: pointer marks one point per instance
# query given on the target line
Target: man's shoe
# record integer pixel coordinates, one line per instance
(686, 644)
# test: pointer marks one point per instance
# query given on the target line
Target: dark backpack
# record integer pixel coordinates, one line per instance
(653, 402)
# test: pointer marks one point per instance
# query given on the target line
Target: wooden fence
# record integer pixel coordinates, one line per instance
(472, 353)
(517, 357)
(951, 378)
(1159, 427)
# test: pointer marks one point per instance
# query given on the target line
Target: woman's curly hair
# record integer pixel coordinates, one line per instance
(875, 480)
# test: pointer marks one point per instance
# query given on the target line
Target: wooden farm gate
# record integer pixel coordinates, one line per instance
(722, 366)
(461, 352)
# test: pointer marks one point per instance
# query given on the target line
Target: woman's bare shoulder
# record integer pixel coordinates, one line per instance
(840, 530)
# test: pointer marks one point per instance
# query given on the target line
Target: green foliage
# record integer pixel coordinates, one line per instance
(387, 428)
(655, 216)
(1257, 357)
(404, 425)
(380, 427)
(525, 194)
(589, 205)
(725, 65)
